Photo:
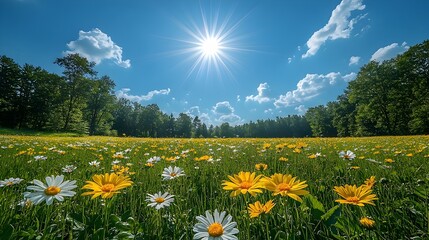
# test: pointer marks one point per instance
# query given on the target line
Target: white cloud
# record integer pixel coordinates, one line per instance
(97, 46)
(269, 110)
(289, 60)
(238, 98)
(225, 113)
(339, 26)
(301, 109)
(354, 60)
(194, 111)
(205, 118)
(388, 52)
(223, 108)
(307, 88)
(123, 93)
(349, 77)
(260, 98)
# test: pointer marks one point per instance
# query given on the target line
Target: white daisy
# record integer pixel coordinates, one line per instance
(215, 227)
(349, 155)
(172, 172)
(40, 157)
(153, 160)
(159, 200)
(69, 168)
(10, 182)
(55, 188)
(94, 163)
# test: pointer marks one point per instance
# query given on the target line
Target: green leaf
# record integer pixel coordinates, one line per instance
(317, 209)
(125, 235)
(331, 216)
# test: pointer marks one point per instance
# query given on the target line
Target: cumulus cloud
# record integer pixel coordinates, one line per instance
(354, 60)
(194, 111)
(223, 108)
(238, 98)
(339, 26)
(260, 98)
(307, 88)
(388, 52)
(97, 46)
(225, 113)
(124, 93)
(301, 109)
(349, 77)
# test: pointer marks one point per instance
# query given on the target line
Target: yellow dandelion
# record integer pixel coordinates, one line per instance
(367, 223)
(284, 159)
(355, 167)
(355, 195)
(244, 182)
(261, 166)
(369, 183)
(257, 208)
(106, 185)
(286, 185)
(389, 160)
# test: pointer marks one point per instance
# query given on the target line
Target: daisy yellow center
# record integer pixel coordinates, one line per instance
(245, 185)
(52, 190)
(284, 187)
(107, 187)
(159, 200)
(9, 183)
(215, 229)
(353, 199)
(173, 174)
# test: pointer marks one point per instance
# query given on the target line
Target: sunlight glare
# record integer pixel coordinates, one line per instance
(210, 46)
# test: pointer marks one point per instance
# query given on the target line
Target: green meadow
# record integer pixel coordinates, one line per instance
(399, 164)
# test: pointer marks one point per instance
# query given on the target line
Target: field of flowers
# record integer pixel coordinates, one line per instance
(130, 188)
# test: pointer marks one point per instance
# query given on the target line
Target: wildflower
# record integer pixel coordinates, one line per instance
(355, 167)
(286, 185)
(409, 155)
(68, 169)
(283, 159)
(355, 195)
(172, 172)
(257, 208)
(203, 158)
(369, 183)
(106, 185)
(266, 146)
(116, 162)
(40, 157)
(94, 163)
(389, 160)
(55, 188)
(215, 226)
(159, 200)
(349, 155)
(10, 182)
(149, 165)
(261, 166)
(25, 203)
(244, 182)
(153, 160)
(367, 223)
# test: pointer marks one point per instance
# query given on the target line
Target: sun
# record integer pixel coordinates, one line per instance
(210, 46)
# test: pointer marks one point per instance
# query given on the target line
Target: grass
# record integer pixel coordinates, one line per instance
(401, 211)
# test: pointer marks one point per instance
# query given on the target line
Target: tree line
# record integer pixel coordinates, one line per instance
(387, 98)
(81, 101)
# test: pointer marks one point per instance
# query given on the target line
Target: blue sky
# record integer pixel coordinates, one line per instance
(224, 61)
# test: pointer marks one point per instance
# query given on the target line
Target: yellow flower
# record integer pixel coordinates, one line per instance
(409, 155)
(355, 167)
(106, 185)
(244, 182)
(266, 146)
(261, 166)
(283, 159)
(367, 223)
(355, 195)
(389, 160)
(257, 208)
(369, 183)
(149, 165)
(203, 158)
(286, 185)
